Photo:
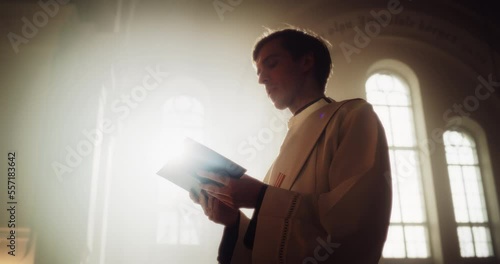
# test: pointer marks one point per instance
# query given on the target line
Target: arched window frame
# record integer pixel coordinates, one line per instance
(201, 234)
(427, 181)
(476, 133)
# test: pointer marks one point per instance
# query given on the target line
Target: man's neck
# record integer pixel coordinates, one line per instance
(308, 103)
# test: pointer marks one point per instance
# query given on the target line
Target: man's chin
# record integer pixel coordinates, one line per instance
(279, 106)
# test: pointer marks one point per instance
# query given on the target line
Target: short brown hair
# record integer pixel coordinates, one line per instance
(299, 42)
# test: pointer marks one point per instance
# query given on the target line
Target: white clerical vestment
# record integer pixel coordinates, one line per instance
(329, 194)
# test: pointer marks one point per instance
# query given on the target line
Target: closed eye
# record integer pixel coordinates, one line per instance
(269, 62)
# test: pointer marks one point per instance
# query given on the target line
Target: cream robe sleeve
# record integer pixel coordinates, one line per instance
(347, 224)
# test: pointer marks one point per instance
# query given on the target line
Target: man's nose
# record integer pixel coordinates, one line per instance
(263, 78)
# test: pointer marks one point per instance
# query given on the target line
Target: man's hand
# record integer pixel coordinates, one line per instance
(236, 193)
(216, 210)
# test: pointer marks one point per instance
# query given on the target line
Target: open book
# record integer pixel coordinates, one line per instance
(196, 157)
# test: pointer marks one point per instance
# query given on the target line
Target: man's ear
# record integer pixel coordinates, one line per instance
(307, 62)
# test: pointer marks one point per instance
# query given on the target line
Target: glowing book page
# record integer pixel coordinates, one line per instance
(196, 156)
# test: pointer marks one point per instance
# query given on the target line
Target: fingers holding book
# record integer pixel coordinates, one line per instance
(215, 209)
(234, 192)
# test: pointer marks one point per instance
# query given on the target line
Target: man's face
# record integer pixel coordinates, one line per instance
(281, 75)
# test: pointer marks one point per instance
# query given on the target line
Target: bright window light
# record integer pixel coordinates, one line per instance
(391, 99)
(179, 220)
(468, 196)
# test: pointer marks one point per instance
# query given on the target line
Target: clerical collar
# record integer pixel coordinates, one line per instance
(328, 100)
(299, 118)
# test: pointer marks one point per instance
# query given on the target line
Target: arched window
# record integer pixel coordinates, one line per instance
(469, 206)
(391, 98)
(179, 220)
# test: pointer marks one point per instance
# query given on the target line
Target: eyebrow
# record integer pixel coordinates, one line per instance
(267, 59)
